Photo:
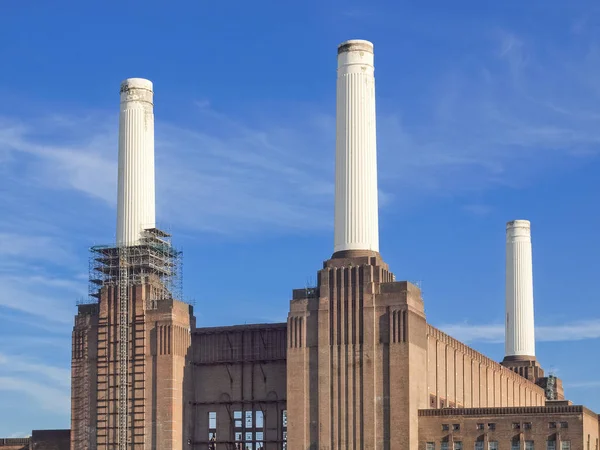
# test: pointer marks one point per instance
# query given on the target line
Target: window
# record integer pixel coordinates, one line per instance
(445, 427)
(493, 445)
(480, 426)
(529, 445)
(456, 427)
(284, 426)
(458, 445)
(491, 426)
(515, 445)
(249, 419)
(212, 427)
(212, 420)
(550, 445)
(430, 446)
(564, 424)
(444, 445)
(237, 418)
(527, 425)
(565, 445)
(516, 426)
(551, 424)
(259, 419)
(478, 445)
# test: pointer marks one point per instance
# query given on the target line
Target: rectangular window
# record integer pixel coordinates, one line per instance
(238, 436)
(564, 424)
(259, 440)
(550, 445)
(480, 426)
(249, 419)
(212, 420)
(456, 427)
(515, 445)
(529, 445)
(445, 427)
(565, 445)
(284, 426)
(491, 426)
(458, 445)
(237, 418)
(259, 419)
(444, 445)
(430, 446)
(479, 445)
(516, 425)
(248, 438)
(493, 445)
(527, 425)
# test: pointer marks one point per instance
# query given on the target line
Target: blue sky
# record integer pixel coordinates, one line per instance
(486, 113)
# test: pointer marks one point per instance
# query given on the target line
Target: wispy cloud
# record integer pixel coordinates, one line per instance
(46, 385)
(583, 384)
(491, 121)
(494, 333)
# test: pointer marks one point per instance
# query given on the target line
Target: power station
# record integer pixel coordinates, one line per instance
(356, 366)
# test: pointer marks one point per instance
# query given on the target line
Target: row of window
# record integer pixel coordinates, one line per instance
(248, 429)
(493, 445)
(515, 426)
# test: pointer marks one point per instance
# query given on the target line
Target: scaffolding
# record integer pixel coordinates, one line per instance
(152, 262)
(551, 388)
(124, 283)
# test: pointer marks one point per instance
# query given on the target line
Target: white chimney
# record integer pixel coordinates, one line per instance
(356, 211)
(520, 333)
(135, 198)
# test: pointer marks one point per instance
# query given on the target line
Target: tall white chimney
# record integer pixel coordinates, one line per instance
(135, 198)
(520, 333)
(356, 211)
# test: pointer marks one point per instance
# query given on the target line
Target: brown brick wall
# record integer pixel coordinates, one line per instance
(356, 368)
(503, 425)
(591, 430)
(83, 377)
(160, 339)
(39, 440)
(237, 371)
(458, 376)
(14, 443)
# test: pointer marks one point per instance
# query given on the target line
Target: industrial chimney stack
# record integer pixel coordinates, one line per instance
(520, 333)
(356, 206)
(136, 197)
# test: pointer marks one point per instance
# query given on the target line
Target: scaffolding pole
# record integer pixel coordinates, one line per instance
(123, 346)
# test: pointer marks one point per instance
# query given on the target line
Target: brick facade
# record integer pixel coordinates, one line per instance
(355, 366)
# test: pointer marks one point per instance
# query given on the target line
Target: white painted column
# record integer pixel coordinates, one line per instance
(136, 196)
(520, 333)
(356, 207)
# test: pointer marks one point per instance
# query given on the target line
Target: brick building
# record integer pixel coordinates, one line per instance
(356, 366)
(39, 440)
